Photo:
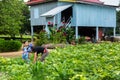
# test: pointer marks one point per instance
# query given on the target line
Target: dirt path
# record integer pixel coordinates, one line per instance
(11, 54)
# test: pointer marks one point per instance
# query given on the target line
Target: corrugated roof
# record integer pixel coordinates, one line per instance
(34, 2)
(55, 11)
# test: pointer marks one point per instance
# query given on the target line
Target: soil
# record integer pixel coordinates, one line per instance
(11, 54)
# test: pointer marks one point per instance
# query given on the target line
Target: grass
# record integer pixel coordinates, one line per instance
(17, 36)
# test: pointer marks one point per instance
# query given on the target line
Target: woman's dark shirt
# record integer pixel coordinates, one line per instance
(38, 49)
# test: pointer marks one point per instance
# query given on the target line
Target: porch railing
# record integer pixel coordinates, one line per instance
(65, 24)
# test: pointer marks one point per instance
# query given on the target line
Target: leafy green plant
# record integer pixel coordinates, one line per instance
(69, 34)
(42, 38)
(10, 21)
(84, 62)
(81, 40)
(61, 35)
(80, 62)
(56, 36)
(9, 45)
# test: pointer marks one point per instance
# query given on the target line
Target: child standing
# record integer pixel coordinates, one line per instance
(25, 53)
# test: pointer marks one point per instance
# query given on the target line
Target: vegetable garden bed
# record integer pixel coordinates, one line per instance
(81, 62)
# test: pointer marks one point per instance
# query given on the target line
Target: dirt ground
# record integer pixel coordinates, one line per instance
(11, 54)
(14, 54)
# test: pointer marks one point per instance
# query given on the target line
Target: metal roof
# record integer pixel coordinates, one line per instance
(55, 11)
(35, 2)
(31, 2)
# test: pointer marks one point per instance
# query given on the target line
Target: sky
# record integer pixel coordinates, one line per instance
(109, 2)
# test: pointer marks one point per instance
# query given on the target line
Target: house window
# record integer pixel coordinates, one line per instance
(36, 13)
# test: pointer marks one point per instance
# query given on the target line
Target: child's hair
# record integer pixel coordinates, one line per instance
(24, 42)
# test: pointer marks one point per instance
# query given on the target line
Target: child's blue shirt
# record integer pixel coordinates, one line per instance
(25, 53)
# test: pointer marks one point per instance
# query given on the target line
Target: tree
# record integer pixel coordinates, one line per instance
(11, 16)
(26, 22)
(118, 22)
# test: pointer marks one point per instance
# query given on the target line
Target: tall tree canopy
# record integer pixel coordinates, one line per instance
(118, 22)
(26, 21)
(11, 16)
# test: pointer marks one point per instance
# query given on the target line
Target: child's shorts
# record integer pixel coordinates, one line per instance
(25, 56)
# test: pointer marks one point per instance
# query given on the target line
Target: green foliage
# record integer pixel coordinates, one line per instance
(84, 62)
(25, 28)
(80, 62)
(11, 16)
(14, 69)
(57, 36)
(118, 22)
(11, 45)
(69, 34)
(42, 38)
(81, 40)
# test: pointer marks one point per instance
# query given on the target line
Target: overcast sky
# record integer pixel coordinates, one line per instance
(110, 2)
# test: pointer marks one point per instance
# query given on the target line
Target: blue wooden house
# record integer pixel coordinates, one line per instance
(87, 17)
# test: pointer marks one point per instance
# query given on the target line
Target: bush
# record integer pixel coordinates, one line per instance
(57, 36)
(42, 38)
(9, 45)
(81, 40)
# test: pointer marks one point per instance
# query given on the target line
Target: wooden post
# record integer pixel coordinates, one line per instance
(76, 32)
(32, 33)
(54, 21)
(114, 31)
(47, 30)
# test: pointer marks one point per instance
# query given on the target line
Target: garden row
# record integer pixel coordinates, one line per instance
(80, 62)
